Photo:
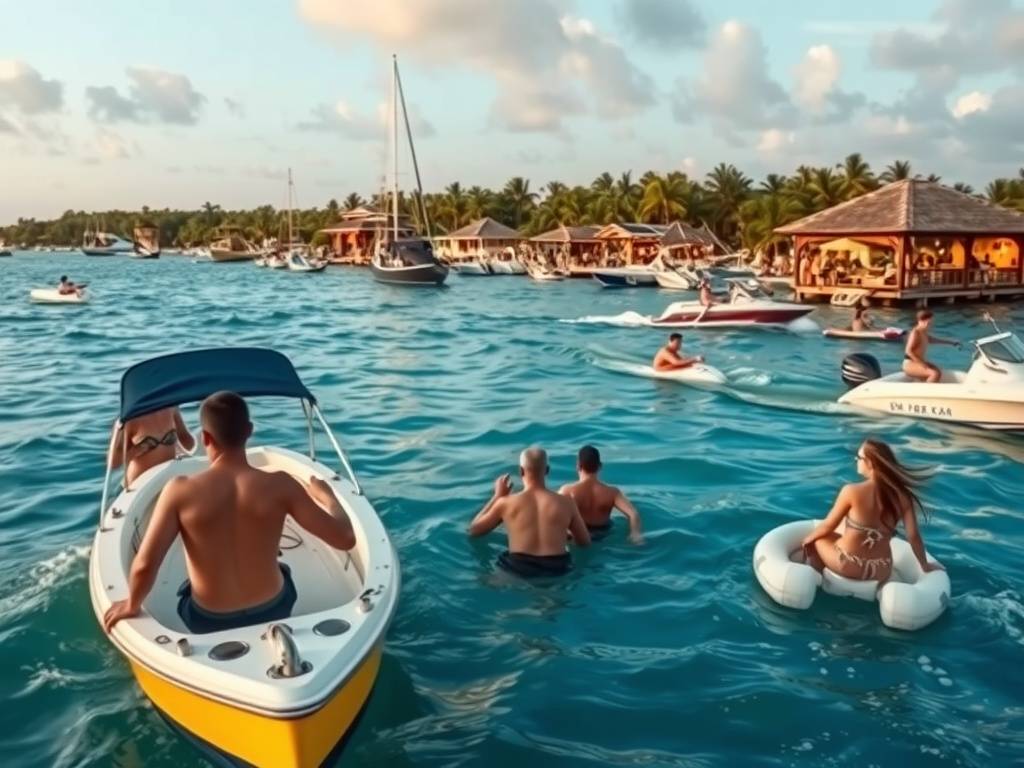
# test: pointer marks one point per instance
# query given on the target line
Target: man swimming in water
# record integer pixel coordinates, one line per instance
(230, 518)
(595, 500)
(668, 358)
(536, 520)
(915, 356)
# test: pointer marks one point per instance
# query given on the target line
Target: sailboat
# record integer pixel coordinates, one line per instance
(404, 260)
(297, 255)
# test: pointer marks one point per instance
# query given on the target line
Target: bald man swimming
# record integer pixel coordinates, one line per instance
(536, 520)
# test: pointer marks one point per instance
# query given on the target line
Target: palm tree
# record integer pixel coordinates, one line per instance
(728, 188)
(664, 198)
(773, 183)
(761, 216)
(827, 188)
(479, 202)
(211, 210)
(933, 177)
(353, 201)
(897, 171)
(1005, 192)
(519, 197)
(967, 189)
(856, 176)
(453, 210)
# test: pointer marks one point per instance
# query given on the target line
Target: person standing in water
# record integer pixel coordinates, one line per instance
(536, 519)
(669, 359)
(871, 510)
(915, 356)
(596, 500)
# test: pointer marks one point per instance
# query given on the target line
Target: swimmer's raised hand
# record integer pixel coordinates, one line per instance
(502, 486)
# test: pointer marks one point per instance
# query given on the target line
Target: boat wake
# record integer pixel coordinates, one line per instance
(631, 319)
(628, 319)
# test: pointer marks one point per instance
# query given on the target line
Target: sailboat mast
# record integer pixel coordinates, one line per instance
(412, 152)
(394, 145)
(291, 239)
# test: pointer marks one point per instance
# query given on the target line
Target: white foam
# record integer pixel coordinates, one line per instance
(33, 590)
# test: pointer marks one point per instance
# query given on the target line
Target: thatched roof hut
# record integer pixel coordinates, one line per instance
(483, 229)
(921, 240)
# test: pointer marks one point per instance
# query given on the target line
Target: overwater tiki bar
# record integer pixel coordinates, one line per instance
(909, 241)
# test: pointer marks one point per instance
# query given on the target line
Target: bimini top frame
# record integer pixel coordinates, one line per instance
(188, 377)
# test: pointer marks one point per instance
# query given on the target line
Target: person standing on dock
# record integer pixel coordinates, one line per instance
(915, 356)
(536, 519)
(596, 500)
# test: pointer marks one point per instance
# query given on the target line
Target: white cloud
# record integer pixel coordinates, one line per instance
(734, 88)
(167, 97)
(347, 120)
(816, 77)
(972, 102)
(23, 88)
(540, 57)
(234, 106)
(774, 139)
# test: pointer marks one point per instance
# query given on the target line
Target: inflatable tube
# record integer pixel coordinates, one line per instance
(886, 334)
(53, 296)
(910, 600)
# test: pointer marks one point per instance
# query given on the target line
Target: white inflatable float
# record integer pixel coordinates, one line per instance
(696, 375)
(885, 334)
(910, 600)
(53, 296)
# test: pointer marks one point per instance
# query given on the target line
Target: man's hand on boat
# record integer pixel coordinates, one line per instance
(121, 609)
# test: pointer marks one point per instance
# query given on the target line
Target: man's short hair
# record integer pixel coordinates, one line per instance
(924, 314)
(589, 459)
(225, 416)
(534, 460)
(675, 337)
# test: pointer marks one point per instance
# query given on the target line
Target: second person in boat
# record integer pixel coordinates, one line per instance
(915, 357)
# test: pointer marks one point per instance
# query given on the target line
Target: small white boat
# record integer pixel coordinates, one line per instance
(848, 297)
(260, 261)
(883, 334)
(627, 277)
(697, 374)
(545, 275)
(284, 694)
(299, 260)
(277, 261)
(677, 280)
(471, 269)
(53, 296)
(989, 395)
(97, 243)
(499, 267)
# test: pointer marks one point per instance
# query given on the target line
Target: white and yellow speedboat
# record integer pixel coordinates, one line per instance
(284, 694)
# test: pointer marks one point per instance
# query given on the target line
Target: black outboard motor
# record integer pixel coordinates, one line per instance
(858, 368)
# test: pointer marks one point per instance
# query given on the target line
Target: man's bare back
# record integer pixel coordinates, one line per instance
(537, 521)
(594, 500)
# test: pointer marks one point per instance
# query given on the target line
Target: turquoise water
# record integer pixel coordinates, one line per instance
(662, 654)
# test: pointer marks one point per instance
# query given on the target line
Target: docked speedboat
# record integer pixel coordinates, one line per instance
(680, 279)
(471, 269)
(299, 259)
(231, 246)
(146, 243)
(96, 243)
(283, 694)
(545, 275)
(748, 304)
(989, 395)
(626, 277)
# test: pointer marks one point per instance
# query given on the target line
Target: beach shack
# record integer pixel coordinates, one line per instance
(483, 239)
(630, 243)
(911, 240)
(568, 247)
(352, 238)
(681, 240)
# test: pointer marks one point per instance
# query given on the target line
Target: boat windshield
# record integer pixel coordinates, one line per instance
(1008, 349)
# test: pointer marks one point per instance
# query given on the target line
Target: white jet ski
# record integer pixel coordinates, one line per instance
(989, 395)
(883, 334)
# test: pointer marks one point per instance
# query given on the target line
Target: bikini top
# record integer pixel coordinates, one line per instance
(149, 443)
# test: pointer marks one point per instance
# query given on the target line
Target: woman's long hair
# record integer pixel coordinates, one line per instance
(896, 484)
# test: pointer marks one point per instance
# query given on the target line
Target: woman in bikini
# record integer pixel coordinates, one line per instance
(150, 440)
(871, 511)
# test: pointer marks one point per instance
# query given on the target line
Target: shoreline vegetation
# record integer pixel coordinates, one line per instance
(740, 211)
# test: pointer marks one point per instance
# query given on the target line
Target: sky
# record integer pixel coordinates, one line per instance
(121, 104)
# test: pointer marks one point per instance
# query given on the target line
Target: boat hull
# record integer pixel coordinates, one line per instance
(105, 251)
(726, 314)
(227, 256)
(258, 739)
(674, 281)
(626, 279)
(420, 274)
(472, 269)
(1002, 411)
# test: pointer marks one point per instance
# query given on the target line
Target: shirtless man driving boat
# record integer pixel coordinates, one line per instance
(230, 518)
(915, 356)
(536, 519)
(669, 359)
(595, 500)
